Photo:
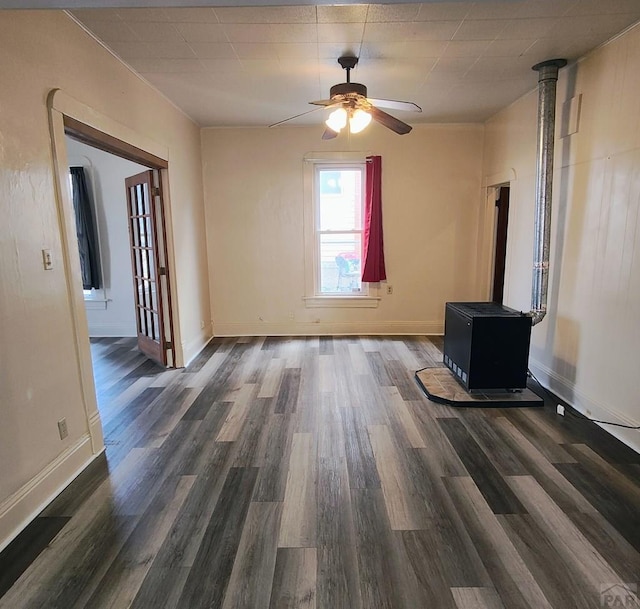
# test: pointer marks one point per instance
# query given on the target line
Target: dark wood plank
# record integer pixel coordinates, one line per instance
(250, 438)
(183, 541)
(561, 583)
(403, 380)
(363, 472)
(539, 466)
(203, 357)
(267, 441)
(133, 411)
(538, 436)
(218, 386)
(209, 576)
(509, 573)
(378, 368)
(286, 401)
(491, 484)
(161, 587)
(615, 549)
(25, 548)
(377, 562)
(253, 569)
(122, 581)
(504, 458)
(73, 496)
(326, 345)
(272, 458)
(338, 579)
(294, 580)
(299, 522)
(444, 553)
(622, 512)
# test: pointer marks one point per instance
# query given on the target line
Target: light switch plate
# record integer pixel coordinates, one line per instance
(47, 260)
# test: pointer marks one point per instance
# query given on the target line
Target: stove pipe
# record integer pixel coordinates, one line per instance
(547, 78)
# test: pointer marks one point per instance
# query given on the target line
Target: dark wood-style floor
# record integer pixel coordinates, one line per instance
(312, 473)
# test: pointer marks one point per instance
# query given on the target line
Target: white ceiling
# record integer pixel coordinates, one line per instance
(250, 66)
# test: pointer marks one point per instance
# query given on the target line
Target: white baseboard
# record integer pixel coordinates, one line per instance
(566, 389)
(116, 328)
(19, 509)
(191, 349)
(322, 328)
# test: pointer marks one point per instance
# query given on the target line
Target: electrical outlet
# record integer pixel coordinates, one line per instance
(62, 428)
(202, 324)
(389, 289)
(560, 409)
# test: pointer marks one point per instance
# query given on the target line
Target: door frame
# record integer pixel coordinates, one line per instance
(486, 244)
(502, 196)
(68, 115)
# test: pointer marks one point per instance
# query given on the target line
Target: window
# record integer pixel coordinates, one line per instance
(334, 227)
(87, 236)
(339, 200)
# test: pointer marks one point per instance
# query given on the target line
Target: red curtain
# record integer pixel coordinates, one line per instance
(373, 267)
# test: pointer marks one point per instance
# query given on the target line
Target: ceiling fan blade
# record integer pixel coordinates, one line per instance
(329, 134)
(395, 105)
(323, 102)
(286, 120)
(391, 122)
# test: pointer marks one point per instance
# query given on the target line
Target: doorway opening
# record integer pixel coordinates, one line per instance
(500, 251)
(137, 234)
(70, 117)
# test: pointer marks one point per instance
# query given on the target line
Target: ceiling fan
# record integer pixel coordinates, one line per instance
(353, 107)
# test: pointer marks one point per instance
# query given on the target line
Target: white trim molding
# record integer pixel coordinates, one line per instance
(114, 328)
(20, 508)
(497, 179)
(337, 302)
(69, 106)
(323, 328)
(567, 390)
(194, 346)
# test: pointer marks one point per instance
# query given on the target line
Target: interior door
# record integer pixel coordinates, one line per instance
(502, 222)
(148, 261)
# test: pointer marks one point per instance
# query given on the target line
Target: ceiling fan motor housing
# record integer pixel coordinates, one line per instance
(346, 88)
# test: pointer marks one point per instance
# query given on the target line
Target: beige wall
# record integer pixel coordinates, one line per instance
(254, 194)
(588, 347)
(40, 382)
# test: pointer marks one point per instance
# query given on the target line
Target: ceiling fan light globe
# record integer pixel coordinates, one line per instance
(337, 120)
(359, 121)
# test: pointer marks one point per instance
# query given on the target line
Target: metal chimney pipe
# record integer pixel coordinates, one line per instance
(547, 78)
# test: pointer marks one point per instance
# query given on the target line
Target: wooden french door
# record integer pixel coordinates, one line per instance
(148, 260)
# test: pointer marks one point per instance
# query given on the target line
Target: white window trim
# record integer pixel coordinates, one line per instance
(311, 298)
(96, 300)
(347, 302)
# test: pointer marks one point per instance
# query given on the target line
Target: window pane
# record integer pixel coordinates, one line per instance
(340, 263)
(340, 199)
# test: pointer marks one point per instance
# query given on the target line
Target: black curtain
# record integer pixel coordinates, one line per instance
(86, 230)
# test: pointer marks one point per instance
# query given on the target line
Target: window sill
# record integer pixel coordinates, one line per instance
(92, 304)
(350, 302)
